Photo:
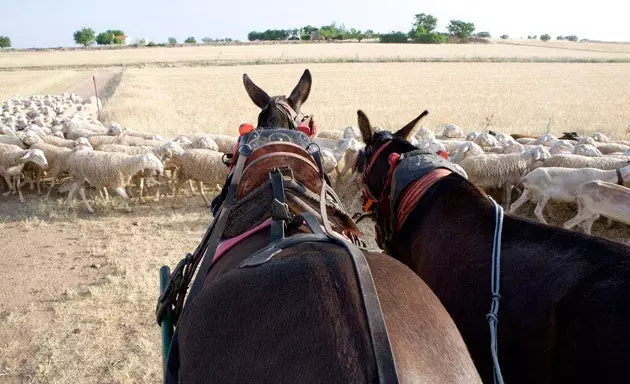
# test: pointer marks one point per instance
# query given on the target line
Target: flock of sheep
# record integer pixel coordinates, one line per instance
(57, 139)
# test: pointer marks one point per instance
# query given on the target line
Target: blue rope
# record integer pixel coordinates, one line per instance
(495, 279)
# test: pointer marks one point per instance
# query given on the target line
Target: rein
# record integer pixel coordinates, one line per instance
(408, 196)
(171, 300)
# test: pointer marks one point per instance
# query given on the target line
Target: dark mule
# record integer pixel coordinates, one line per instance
(282, 111)
(298, 313)
(565, 296)
(276, 112)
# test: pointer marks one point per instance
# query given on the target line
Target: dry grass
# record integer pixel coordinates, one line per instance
(29, 83)
(518, 96)
(305, 52)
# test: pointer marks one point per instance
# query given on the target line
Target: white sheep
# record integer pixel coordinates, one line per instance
(352, 132)
(600, 137)
(561, 146)
(205, 142)
(608, 148)
(452, 131)
(586, 150)
(577, 161)
(424, 134)
(511, 146)
(200, 165)
(432, 146)
(13, 159)
(451, 145)
(471, 136)
(599, 198)
(502, 171)
(465, 150)
(329, 162)
(12, 140)
(560, 184)
(547, 140)
(225, 143)
(334, 134)
(486, 141)
(107, 169)
(164, 153)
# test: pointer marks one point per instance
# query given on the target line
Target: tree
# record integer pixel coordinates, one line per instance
(545, 37)
(393, 37)
(504, 37)
(559, 38)
(104, 38)
(427, 22)
(190, 40)
(5, 42)
(207, 40)
(111, 36)
(461, 29)
(172, 41)
(485, 35)
(84, 36)
(423, 30)
(571, 38)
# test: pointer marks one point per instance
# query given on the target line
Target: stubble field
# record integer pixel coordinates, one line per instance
(80, 289)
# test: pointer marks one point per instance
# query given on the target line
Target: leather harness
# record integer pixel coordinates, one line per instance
(171, 301)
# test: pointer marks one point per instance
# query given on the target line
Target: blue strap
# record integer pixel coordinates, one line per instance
(495, 280)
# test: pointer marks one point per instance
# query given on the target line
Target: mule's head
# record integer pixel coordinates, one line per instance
(280, 111)
(373, 161)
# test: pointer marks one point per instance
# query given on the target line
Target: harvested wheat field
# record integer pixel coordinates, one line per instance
(333, 52)
(80, 289)
(514, 97)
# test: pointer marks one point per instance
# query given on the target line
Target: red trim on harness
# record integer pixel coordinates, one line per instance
(245, 128)
(412, 194)
(443, 154)
(226, 245)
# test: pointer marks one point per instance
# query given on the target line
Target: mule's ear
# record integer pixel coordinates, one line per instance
(258, 96)
(408, 130)
(300, 92)
(366, 128)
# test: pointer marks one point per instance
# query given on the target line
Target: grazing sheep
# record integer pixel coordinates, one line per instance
(465, 150)
(201, 165)
(511, 146)
(561, 146)
(486, 141)
(600, 137)
(500, 136)
(586, 150)
(164, 152)
(12, 161)
(502, 171)
(347, 151)
(334, 134)
(599, 198)
(225, 143)
(452, 131)
(329, 162)
(12, 140)
(547, 140)
(451, 145)
(561, 184)
(205, 142)
(352, 132)
(432, 146)
(107, 169)
(608, 148)
(577, 161)
(424, 134)
(59, 142)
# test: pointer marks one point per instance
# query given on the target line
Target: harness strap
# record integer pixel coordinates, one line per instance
(381, 345)
(207, 247)
(619, 177)
(279, 208)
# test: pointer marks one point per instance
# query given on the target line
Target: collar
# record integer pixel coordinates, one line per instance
(412, 195)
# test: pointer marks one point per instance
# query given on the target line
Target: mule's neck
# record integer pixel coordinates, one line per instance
(450, 217)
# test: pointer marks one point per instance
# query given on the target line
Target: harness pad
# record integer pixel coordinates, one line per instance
(413, 166)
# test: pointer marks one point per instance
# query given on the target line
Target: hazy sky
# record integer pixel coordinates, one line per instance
(51, 23)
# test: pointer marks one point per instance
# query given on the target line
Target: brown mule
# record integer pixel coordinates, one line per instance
(565, 296)
(299, 313)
